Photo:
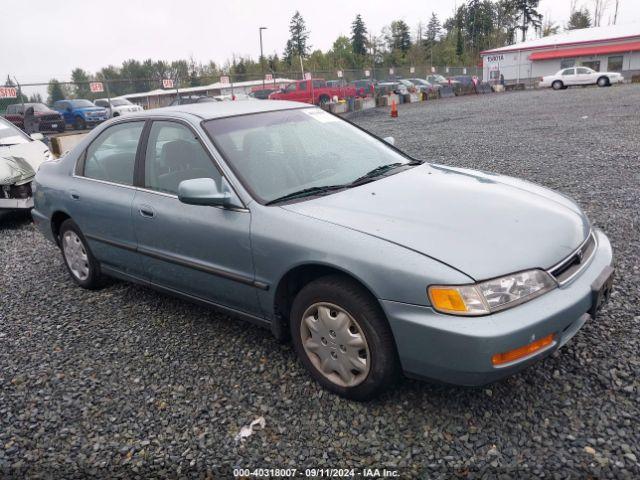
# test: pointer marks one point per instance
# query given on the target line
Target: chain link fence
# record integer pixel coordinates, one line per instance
(49, 102)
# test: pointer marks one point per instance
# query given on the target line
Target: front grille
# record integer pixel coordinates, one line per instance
(49, 118)
(16, 191)
(574, 263)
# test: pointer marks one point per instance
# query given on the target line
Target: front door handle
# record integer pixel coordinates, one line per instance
(74, 195)
(147, 211)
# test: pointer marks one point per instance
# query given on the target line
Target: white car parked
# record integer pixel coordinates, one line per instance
(119, 106)
(20, 157)
(568, 77)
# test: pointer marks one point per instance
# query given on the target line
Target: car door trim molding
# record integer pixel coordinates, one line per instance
(183, 262)
(116, 272)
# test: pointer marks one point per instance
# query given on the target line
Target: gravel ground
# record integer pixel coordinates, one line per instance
(126, 381)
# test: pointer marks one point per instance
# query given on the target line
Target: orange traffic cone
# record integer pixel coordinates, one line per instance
(394, 109)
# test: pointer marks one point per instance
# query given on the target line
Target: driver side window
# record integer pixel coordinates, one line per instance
(174, 154)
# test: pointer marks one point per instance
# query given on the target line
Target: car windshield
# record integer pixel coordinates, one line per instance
(10, 135)
(419, 81)
(81, 103)
(119, 102)
(279, 153)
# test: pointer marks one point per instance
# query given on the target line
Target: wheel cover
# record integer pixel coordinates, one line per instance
(75, 255)
(335, 344)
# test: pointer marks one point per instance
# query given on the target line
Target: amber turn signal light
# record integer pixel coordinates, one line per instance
(513, 355)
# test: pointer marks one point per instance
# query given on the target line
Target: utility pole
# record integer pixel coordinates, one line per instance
(615, 15)
(262, 55)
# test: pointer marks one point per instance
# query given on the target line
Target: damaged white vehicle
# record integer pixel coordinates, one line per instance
(20, 157)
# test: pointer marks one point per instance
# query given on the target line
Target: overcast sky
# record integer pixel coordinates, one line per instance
(42, 39)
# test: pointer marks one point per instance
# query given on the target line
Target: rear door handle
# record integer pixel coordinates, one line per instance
(147, 211)
(75, 195)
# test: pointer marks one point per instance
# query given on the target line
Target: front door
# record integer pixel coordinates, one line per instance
(202, 251)
(102, 194)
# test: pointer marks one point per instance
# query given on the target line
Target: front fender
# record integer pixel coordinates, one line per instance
(283, 240)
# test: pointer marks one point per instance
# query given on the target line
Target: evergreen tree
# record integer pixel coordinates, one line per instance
(433, 28)
(359, 36)
(529, 16)
(297, 45)
(81, 80)
(55, 91)
(579, 19)
(400, 36)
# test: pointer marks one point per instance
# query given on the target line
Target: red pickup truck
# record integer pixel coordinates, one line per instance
(313, 91)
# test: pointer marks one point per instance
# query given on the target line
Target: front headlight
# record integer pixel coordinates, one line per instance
(490, 296)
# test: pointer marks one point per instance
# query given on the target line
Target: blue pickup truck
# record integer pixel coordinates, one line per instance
(81, 113)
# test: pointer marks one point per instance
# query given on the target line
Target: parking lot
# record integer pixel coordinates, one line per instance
(127, 381)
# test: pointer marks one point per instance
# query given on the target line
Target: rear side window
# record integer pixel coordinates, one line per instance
(319, 84)
(569, 71)
(112, 156)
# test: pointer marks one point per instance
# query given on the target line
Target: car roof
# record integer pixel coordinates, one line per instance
(211, 110)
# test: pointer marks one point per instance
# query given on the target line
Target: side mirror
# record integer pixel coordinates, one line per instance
(390, 140)
(205, 191)
(37, 136)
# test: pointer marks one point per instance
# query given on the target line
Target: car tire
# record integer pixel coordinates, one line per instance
(78, 258)
(343, 339)
(324, 99)
(79, 123)
(603, 82)
(62, 128)
(557, 85)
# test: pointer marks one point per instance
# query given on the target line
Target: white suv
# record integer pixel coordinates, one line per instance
(118, 107)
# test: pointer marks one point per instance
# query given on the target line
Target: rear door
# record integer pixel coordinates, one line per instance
(568, 76)
(202, 251)
(585, 76)
(102, 193)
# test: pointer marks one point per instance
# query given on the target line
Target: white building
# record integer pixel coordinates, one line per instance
(614, 48)
(163, 97)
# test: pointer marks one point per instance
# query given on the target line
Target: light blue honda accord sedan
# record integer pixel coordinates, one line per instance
(374, 264)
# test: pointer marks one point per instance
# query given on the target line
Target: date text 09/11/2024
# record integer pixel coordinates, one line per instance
(315, 472)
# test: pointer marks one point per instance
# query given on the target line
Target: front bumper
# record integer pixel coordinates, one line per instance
(458, 350)
(16, 203)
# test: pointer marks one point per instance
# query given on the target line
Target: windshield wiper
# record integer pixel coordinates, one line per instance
(306, 193)
(376, 172)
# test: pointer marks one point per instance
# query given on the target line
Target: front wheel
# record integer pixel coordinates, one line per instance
(81, 264)
(342, 337)
(603, 82)
(79, 123)
(557, 85)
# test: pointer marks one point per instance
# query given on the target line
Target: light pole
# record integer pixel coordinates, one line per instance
(262, 55)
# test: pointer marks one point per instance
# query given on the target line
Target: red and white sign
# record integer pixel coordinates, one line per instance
(433, 69)
(367, 73)
(224, 79)
(307, 76)
(8, 92)
(475, 80)
(339, 73)
(96, 87)
(391, 71)
(268, 77)
(167, 83)
(412, 70)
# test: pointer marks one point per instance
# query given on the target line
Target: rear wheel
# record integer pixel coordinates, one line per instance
(557, 85)
(61, 128)
(79, 123)
(603, 82)
(82, 265)
(342, 338)
(324, 99)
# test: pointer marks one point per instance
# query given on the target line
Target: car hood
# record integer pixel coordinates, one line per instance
(91, 109)
(19, 163)
(482, 224)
